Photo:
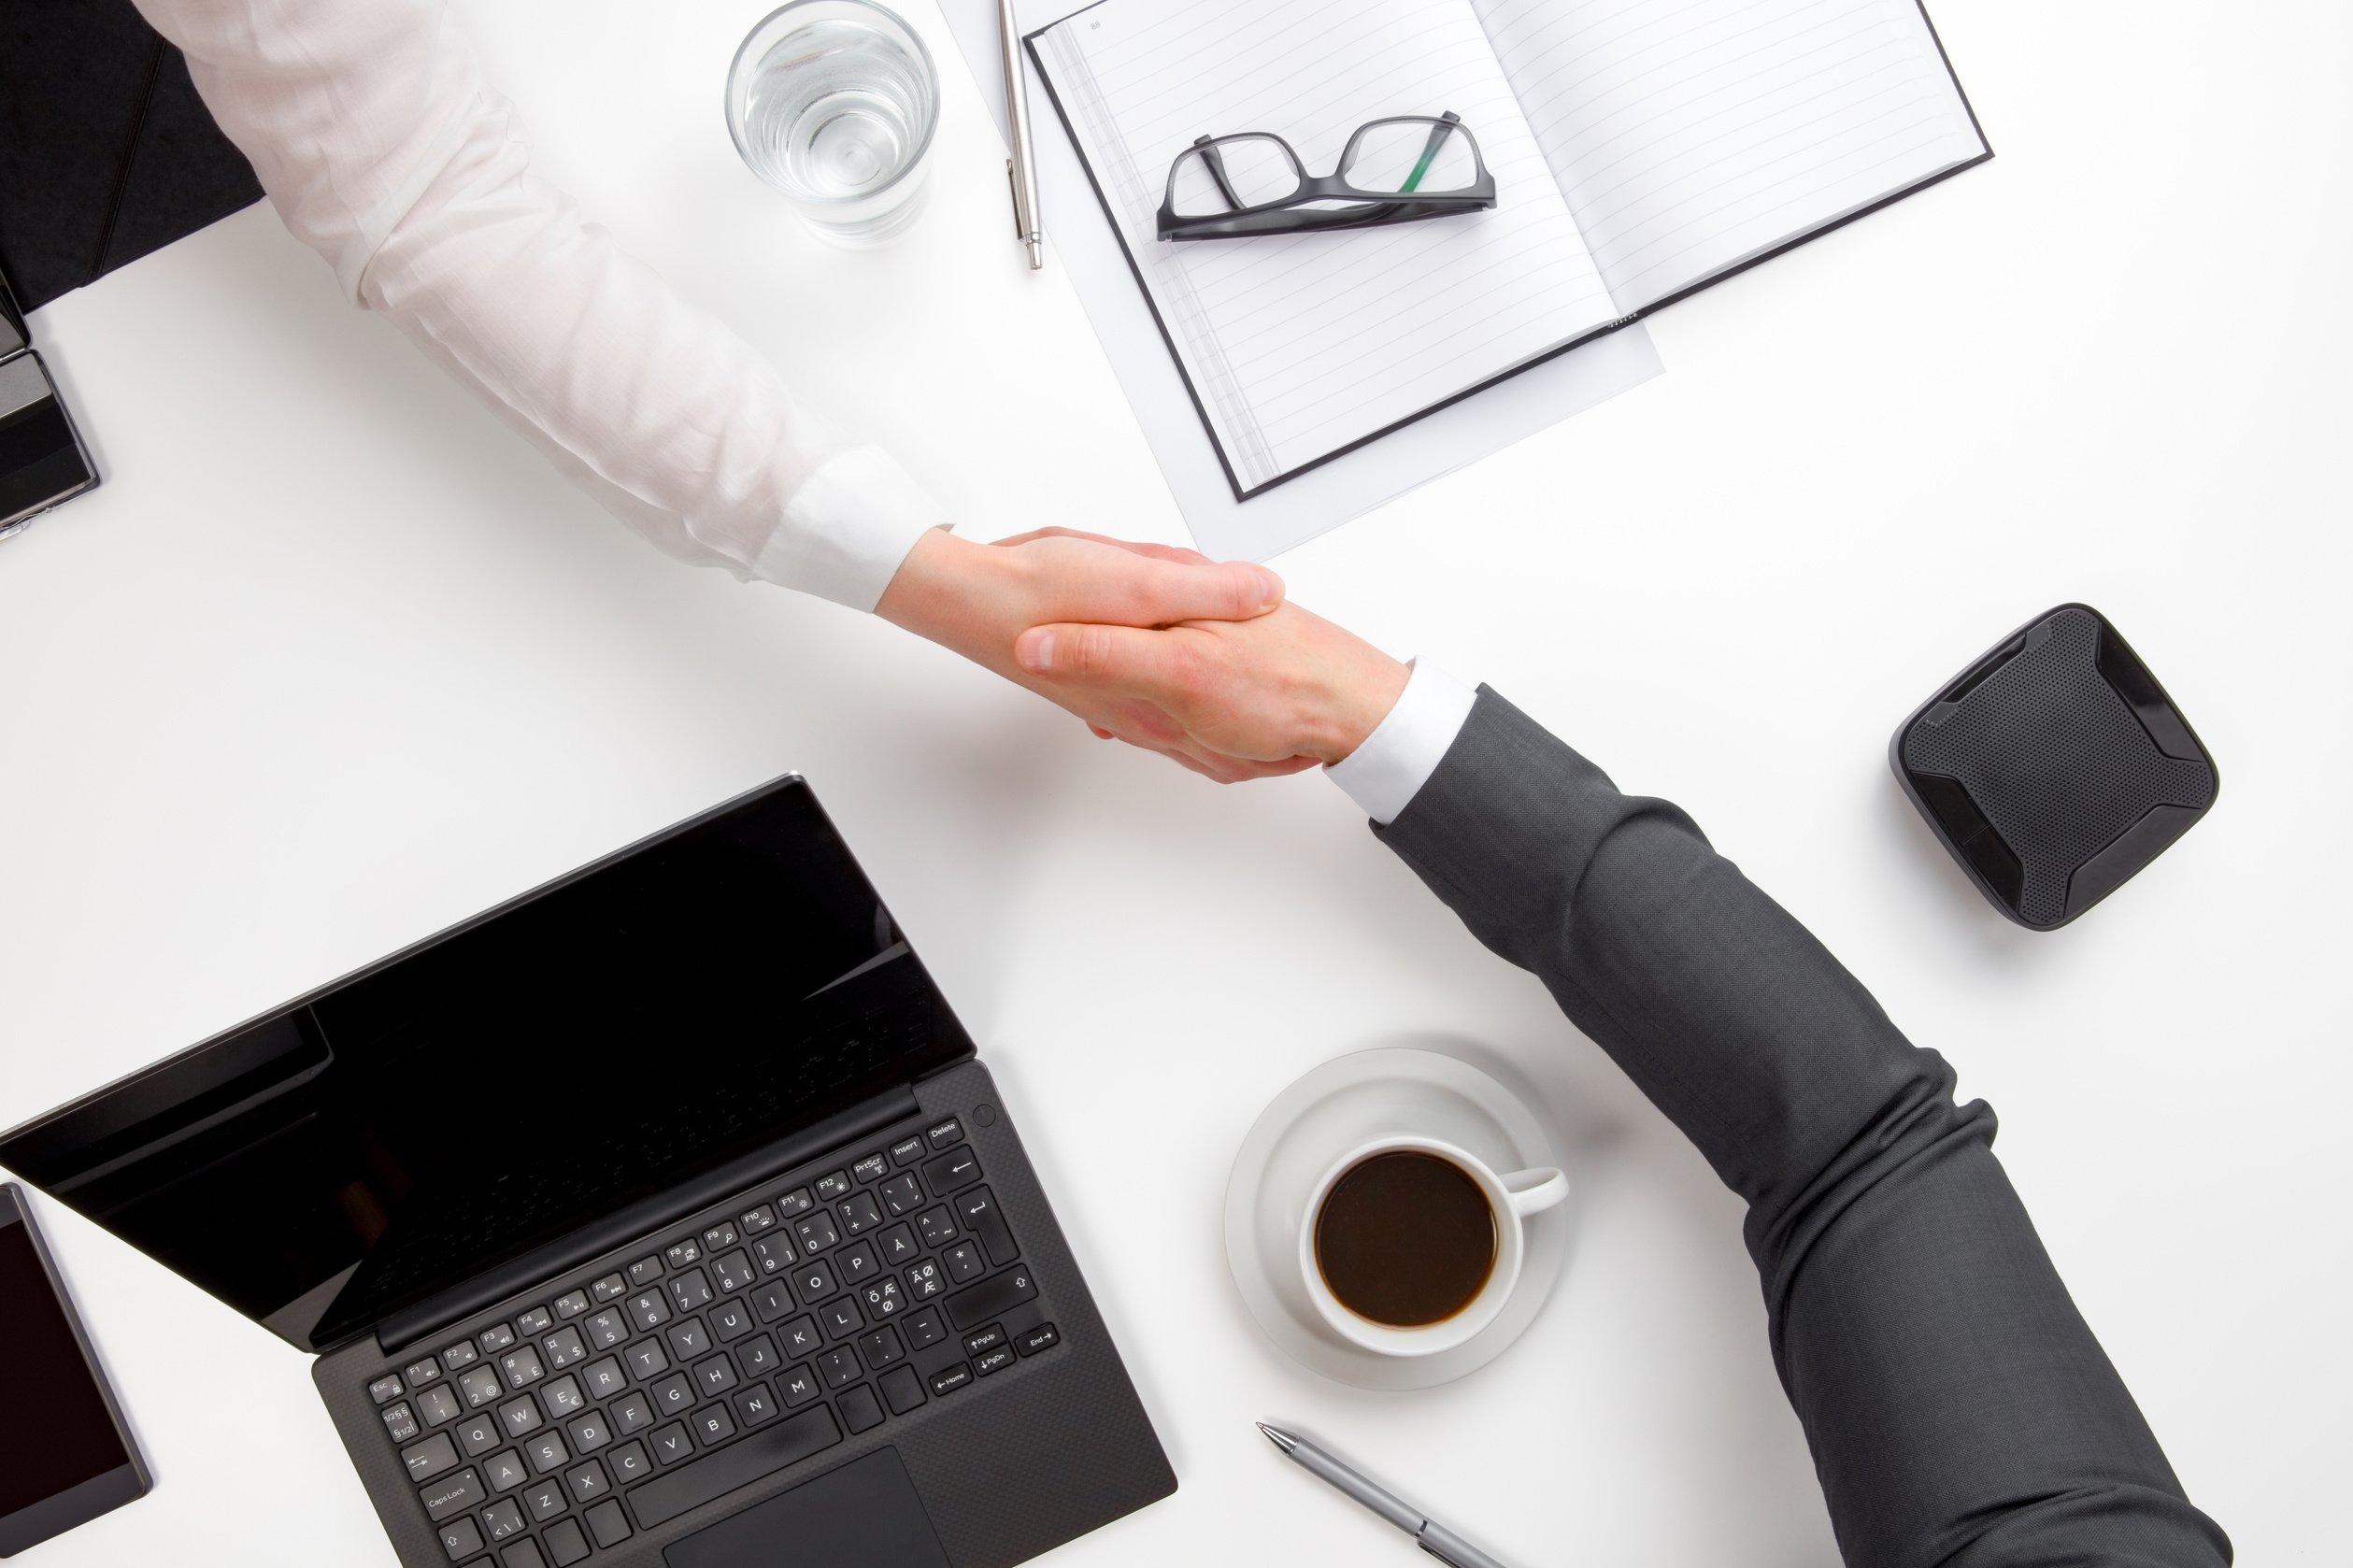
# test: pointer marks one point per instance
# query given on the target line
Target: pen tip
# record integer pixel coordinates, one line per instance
(1281, 1439)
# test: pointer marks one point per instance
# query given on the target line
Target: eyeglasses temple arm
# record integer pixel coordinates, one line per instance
(1211, 156)
(1438, 135)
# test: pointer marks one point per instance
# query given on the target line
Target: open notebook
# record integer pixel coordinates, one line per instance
(1641, 149)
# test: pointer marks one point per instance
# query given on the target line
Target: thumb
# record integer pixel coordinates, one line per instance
(1106, 658)
(1159, 590)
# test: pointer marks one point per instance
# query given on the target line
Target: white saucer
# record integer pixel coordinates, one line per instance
(1318, 1120)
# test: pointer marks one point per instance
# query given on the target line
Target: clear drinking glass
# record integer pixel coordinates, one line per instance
(834, 103)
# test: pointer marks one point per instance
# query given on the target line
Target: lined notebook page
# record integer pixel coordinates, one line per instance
(1301, 346)
(1690, 136)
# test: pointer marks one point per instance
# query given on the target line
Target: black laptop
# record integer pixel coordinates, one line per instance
(661, 1216)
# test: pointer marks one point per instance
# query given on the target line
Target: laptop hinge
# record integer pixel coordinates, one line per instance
(436, 1313)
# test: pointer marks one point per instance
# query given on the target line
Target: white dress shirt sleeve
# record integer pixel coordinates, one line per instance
(371, 129)
(1383, 774)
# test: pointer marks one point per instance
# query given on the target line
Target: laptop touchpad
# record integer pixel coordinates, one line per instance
(866, 1514)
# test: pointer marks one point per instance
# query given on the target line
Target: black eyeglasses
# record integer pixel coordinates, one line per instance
(1392, 171)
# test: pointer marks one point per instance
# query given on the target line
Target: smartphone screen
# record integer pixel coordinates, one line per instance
(41, 461)
(58, 1431)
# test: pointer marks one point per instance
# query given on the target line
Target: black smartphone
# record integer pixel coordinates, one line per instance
(66, 1451)
(42, 459)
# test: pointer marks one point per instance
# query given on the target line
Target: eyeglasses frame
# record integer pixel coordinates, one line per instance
(1382, 207)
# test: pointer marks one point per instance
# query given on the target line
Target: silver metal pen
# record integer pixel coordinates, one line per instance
(1021, 170)
(1431, 1537)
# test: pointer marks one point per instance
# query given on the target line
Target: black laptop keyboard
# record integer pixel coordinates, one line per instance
(716, 1359)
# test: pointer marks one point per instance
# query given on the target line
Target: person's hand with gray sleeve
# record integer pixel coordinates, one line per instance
(1959, 1411)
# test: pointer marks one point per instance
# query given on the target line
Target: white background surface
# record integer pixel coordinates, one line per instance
(333, 661)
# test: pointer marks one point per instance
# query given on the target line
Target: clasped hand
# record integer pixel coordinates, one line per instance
(1200, 661)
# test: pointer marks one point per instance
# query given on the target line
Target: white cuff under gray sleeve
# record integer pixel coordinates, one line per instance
(1383, 774)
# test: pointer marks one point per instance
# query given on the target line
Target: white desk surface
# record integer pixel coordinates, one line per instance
(334, 660)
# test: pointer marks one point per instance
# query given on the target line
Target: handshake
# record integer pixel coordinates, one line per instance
(1202, 662)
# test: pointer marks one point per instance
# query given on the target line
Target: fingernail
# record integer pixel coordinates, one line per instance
(1270, 588)
(1037, 652)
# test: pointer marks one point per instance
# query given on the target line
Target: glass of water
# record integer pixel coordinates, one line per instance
(834, 103)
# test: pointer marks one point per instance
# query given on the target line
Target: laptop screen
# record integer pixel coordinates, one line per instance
(657, 1016)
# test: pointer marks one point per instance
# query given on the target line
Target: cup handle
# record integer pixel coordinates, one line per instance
(1533, 1192)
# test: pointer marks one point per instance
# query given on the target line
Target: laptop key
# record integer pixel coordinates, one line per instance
(589, 1434)
(839, 1368)
(646, 1358)
(732, 1270)
(562, 1399)
(547, 1452)
(522, 1554)
(674, 1395)
(816, 1232)
(965, 1263)
(943, 1134)
(882, 1347)
(644, 1272)
(860, 1213)
(841, 1318)
(715, 1375)
(564, 1348)
(991, 1298)
(977, 1212)
(460, 1539)
(795, 1202)
(523, 1368)
(497, 1337)
(773, 1254)
(534, 1323)
(799, 1338)
(589, 1482)
(902, 1196)
(938, 1226)
(874, 1167)
(440, 1406)
(565, 1545)
(858, 1263)
(503, 1520)
(519, 1415)
(993, 1360)
(684, 1254)
(633, 1413)
(546, 1501)
(898, 1246)
(713, 1425)
(607, 1329)
(384, 1389)
(480, 1386)
(813, 1282)
(430, 1457)
(861, 1410)
(952, 1172)
(629, 1462)
(764, 1452)
(608, 1524)
(984, 1340)
(690, 1291)
(902, 1389)
(423, 1372)
(648, 1310)
(689, 1339)
(603, 1379)
(755, 1406)
(907, 1151)
(608, 1290)
(882, 1298)
(571, 1304)
(923, 1330)
(924, 1280)
(506, 1472)
(948, 1380)
(772, 1301)
(400, 1421)
(832, 1188)
(671, 1444)
(479, 1435)
(731, 1320)
(1043, 1337)
(758, 1356)
(452, 1494)
(798, 1386)
(458, 1357)
(757, 1219)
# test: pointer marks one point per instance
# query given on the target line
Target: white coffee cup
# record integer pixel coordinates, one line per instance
(1510, 1200)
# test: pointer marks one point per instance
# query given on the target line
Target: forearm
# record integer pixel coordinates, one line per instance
(1959, 1409)
(372, 133)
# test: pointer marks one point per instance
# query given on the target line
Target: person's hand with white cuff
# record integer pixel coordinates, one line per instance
(1283, 691)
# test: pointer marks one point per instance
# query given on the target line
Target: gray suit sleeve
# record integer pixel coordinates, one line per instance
(1959, 1409)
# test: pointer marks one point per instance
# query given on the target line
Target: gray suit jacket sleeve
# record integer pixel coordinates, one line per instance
(1959, 1411)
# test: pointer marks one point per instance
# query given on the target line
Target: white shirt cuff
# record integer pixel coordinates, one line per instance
(847, 529)
(1397, 759)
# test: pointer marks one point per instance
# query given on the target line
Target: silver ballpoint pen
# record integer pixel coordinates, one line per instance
(1021, 170)
(1431, 1537)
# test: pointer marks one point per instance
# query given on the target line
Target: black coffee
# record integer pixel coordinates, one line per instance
(1405, 1239)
